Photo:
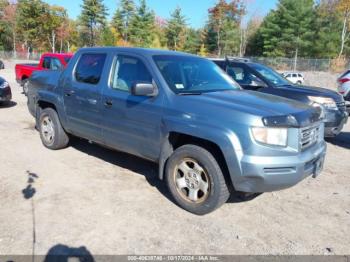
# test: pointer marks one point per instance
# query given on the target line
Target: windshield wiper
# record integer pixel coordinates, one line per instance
(283, 85)
(189, 94)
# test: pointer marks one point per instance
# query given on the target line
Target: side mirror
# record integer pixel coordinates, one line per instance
(143, 89)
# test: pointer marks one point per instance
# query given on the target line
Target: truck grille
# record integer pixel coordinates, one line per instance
(341, 106)
(309, 136)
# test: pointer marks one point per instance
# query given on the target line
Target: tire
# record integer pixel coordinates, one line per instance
(203, 174)
(25, 86)
(51, 131)
(299, 83)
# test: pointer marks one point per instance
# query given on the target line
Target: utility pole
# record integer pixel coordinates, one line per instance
(296, 59)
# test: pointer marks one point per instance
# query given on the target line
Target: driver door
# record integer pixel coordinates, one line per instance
(131, 123)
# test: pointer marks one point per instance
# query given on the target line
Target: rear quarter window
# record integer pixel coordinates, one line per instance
(89, 68)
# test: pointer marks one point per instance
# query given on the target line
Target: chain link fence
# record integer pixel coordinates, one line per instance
(19, 55)
(292, 64)
(278, 63)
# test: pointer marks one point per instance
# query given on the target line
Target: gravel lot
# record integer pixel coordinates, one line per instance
(106, 202)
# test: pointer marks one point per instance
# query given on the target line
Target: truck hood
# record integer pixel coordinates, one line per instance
(255, 104)
(313, 91)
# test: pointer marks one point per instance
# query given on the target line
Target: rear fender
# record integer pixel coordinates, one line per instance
(56, 100)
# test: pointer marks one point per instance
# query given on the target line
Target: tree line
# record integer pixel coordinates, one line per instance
(294, 28)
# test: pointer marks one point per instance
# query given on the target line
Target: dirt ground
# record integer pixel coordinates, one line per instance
(105, 202)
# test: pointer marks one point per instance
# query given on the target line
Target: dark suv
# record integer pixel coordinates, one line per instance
(258, 77)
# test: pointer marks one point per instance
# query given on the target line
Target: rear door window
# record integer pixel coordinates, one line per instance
(89, 68)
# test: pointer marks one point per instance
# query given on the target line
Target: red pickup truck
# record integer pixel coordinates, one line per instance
(48, 61)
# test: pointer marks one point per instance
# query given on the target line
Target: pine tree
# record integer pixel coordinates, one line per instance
(5, 27)
(108, 38)
(328, 25)
(192, 41)
(93, 15)
(289, 30)
(175, 30)
(122, 18)
(30, 22)
(142, 26)
(160, 40)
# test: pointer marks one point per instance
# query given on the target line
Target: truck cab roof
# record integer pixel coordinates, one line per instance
(136, 51)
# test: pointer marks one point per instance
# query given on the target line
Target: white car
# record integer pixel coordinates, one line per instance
(294, 77)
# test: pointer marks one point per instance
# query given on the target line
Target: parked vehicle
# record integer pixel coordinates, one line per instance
(5, 91)
(294, 77)
(206, 133)
(47, 62)
(344, 85)
(2, 65)
(258, 77)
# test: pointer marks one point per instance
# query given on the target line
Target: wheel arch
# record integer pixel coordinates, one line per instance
(175, 139)
(49, 102)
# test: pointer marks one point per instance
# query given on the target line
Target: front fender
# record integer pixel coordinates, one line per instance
(225, 139)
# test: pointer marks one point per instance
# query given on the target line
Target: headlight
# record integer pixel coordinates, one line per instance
(325, 101)
(4, 85)
(270, 135)
(321, 107)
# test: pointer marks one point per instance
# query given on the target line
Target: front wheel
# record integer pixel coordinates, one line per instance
(51, 131)
(195, 180)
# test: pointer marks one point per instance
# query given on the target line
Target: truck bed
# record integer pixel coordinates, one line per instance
(29, 64)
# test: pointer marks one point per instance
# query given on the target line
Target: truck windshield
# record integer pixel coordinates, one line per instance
(271, 75)
(187, 75)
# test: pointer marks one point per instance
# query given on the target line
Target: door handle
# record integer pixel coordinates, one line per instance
(69, 93)
(92, 101)
(108, 103)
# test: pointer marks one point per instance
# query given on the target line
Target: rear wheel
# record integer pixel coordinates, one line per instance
(51, 131)
(195, 180)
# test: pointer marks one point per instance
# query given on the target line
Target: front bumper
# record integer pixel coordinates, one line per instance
(266, 174)
(5, 94)
(334, 122)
